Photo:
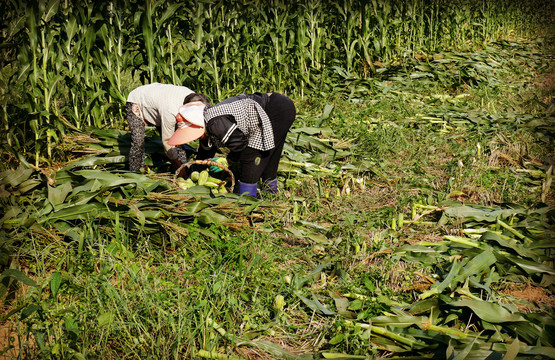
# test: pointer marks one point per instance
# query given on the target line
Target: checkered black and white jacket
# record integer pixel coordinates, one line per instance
(248, 116)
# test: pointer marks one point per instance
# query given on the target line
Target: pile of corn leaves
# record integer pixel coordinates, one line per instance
(97, 188)
(458, 316)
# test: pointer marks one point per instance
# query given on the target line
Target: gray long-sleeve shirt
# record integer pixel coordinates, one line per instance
(159, 104)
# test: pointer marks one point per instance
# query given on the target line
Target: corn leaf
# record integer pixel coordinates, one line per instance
(10, 213)
(14, 178)
(50, 10)
(85, 212)
(439, 287)
(193, 208)
(168, 13)
(26, 186)
(339, 356)
(476, 266)
(490, 312)
(105, 177)
(463, 354)
(512, 351)
(509, 243)
(314, 304)
(208, 216)
(58, 194)
(529, 266)
(477, 213)
(95, 160)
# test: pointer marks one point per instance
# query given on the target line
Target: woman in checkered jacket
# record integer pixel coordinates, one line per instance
(251, 129)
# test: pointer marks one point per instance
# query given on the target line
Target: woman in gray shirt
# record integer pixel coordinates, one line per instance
(157, 105)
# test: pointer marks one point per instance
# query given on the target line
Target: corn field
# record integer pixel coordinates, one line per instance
(67, 66)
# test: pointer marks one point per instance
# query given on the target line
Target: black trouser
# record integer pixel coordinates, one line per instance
(263, 165)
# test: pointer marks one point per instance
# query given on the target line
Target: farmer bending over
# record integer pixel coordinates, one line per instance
(252, 127)
(157, 105)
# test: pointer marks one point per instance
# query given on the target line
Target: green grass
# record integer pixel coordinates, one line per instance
(364, 243)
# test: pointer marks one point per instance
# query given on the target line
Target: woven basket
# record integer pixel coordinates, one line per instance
(207, 163)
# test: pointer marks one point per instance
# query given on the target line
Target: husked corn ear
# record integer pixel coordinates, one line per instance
(185, 184)
(211, 184)
(279, 302)
(203, 177)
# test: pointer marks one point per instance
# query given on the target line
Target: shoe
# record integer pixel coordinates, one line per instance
(248, 189)
(270, 186)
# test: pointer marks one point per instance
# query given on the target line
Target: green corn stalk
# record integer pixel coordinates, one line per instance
(309, 35)
(432, 19)
(171, 45)
(349, 21)
(45, 76)
(148, 38)
(365, 40)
